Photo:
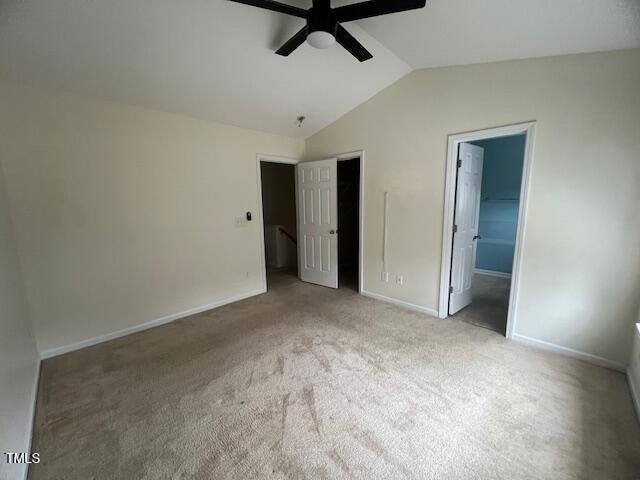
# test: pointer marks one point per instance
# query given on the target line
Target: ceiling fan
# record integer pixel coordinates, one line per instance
(323, 27)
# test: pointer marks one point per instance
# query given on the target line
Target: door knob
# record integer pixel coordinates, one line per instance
(331, 232)
(477, 237)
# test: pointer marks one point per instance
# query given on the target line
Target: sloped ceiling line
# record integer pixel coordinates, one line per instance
(214, 60)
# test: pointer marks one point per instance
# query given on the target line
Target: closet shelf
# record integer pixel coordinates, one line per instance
(497, 241)
(503, 200)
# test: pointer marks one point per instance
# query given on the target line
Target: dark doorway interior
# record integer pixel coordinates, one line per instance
(279, 215)
(349, 223)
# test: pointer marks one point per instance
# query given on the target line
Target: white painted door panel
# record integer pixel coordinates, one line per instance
(467, 210)
(317, 188)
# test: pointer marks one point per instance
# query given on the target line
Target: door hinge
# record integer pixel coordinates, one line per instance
(455, 228)
(459, 163)
(451, 289)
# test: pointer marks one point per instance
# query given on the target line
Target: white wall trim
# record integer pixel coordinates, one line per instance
(32, 412)
(569, 352)
(492, 273)
(147, 325)
(527, 128)
(635, 395)
(262, 157)
(410, 306)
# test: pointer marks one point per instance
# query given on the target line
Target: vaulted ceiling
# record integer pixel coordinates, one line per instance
(458, 32)
(213, 59)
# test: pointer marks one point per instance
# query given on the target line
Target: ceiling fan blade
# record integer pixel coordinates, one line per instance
(373, 8)
(275, 6)
(293, 43)
(353, 46)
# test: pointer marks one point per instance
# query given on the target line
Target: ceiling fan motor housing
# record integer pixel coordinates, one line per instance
(322, 20)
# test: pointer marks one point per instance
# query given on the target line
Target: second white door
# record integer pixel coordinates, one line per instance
(465, 236)
(317, 196)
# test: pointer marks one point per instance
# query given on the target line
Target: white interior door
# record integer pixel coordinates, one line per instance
(317, 188)
(468, 187)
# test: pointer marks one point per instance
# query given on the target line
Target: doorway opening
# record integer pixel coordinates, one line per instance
(277, 179)
(349, 223)
(330, 204)
(311, 220)
(485, 208)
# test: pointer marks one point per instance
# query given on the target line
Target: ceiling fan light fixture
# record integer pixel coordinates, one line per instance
(324, 27)
(321, 39)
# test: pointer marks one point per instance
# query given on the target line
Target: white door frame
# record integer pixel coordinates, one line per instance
(260, 157)
(527, 128)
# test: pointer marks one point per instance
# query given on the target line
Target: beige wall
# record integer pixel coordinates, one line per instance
(125, 215)
(580, 272)
(18, 354)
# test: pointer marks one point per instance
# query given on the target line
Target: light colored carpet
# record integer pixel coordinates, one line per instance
(490, 304)
(308, 382)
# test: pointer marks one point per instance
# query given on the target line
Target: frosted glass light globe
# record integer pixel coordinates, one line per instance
(320, 39)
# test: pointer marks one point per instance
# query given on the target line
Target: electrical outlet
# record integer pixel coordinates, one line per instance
(385, 276)
(399, 279)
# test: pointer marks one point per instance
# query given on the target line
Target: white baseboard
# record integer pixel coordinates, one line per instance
(569, 352)
(416, 308)
(492, 273)
(32, 412)
(147, 325)
(635, 394)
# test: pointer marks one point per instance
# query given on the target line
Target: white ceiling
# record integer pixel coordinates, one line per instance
(213, 59)
(458, 32)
